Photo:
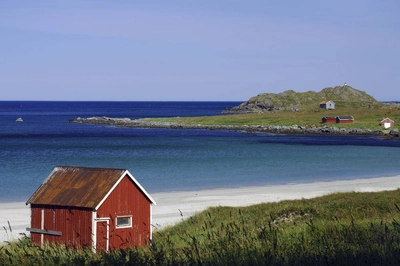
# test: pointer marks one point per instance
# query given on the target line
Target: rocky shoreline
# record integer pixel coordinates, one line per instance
(294, 129)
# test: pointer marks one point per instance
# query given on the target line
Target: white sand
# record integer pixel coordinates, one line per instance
(15, 215)
(172, 207)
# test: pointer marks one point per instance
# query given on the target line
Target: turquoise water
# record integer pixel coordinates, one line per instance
(172, 160)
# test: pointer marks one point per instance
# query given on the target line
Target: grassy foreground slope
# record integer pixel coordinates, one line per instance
(338, 229)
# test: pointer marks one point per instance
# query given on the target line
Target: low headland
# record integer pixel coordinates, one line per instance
(273, 129)
(284, 113)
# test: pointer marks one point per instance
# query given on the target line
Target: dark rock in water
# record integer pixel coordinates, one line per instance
(19, 120)
(394, 133)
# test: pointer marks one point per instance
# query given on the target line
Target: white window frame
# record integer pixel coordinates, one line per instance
(123, 226)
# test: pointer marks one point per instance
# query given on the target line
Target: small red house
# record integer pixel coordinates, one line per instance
(103, 208)
(387, 123)
(328, 119)
(344, 119)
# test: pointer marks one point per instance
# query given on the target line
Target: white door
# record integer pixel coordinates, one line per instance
(102, 234)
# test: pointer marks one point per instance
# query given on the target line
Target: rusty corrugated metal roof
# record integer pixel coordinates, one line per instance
(78, 186)
(326, 101)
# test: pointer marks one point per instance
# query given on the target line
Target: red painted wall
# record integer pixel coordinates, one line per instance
(329, 120)
(387, 121)
(127, 199)
(74, 223)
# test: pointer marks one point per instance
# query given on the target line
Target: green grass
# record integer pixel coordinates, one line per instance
(338, 229)
(364, 118)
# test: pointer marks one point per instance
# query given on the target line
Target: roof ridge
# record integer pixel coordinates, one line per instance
(90, 168)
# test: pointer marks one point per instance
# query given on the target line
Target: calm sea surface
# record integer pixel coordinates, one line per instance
(173, 160)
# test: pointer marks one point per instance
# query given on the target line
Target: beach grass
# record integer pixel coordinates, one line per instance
(364, 118)
(330, 229)
(339, 229)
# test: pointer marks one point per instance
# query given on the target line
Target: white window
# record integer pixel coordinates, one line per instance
(124, 221)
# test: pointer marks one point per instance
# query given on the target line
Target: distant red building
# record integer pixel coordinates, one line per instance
(328, 119)
(103, 208)
(344, 119)
(387, 123)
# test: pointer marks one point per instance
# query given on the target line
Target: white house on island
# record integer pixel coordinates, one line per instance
(328, 104)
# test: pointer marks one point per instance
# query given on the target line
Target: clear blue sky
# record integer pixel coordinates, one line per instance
(206, 50)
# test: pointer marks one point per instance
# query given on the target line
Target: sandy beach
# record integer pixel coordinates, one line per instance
(172, 207)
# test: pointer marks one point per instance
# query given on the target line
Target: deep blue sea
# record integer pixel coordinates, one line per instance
(171, 159)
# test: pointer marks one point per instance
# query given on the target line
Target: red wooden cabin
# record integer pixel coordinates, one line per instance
(387, 122)
(328, 119)
(344, 119)
(103, 208)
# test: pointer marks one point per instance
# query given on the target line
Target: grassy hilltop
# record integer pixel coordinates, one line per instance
(343, 96)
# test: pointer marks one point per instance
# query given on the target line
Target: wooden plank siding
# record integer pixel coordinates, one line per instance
(74, 223)
(127, 199)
